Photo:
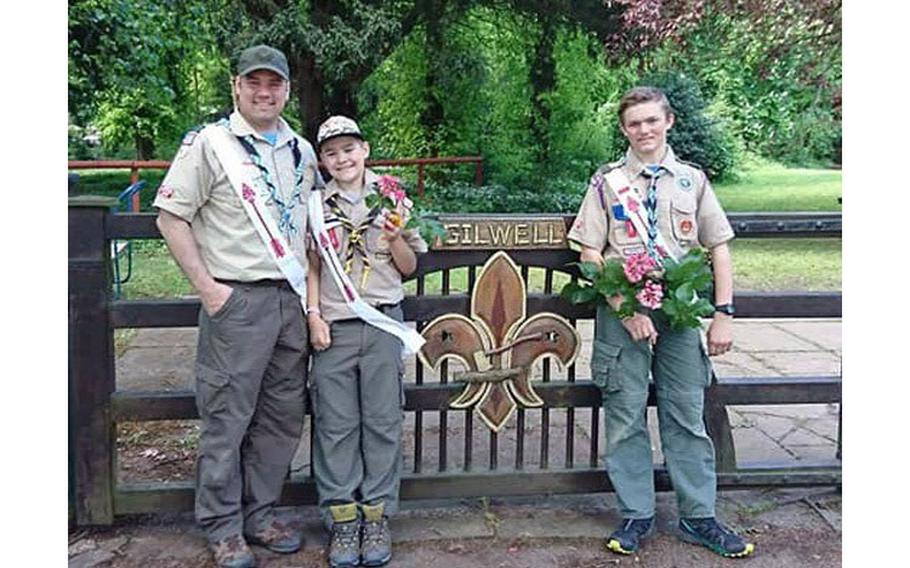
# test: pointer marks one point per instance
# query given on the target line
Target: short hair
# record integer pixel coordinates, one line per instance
(643, 94)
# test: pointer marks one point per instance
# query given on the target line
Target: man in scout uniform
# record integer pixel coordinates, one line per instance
(357, 368)
(232, 209)
(681, 212)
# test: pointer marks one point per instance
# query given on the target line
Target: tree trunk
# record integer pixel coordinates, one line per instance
(543, 81)
(307, 86)
(145, 147)
(432, 117)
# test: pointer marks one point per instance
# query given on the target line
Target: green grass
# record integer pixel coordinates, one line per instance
(765, 186)
(787, 264)
(759, 264)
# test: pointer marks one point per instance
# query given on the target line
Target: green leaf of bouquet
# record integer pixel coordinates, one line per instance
(589, 270)
(684, 293)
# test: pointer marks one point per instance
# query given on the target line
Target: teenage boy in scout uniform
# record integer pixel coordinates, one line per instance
(681, 206)
(357, 368)
(251, 355)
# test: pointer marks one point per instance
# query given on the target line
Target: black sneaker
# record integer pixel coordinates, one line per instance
(626, 538)
(713, 535)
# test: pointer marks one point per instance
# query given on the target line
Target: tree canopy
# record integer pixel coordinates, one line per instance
(530, 85)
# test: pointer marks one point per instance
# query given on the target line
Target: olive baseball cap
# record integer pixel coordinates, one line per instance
(263, 57)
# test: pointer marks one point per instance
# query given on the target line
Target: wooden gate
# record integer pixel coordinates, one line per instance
(504, 465)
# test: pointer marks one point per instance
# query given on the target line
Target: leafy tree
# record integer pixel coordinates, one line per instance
(132, 66)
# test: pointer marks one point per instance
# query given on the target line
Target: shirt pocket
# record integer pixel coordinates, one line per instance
(682, 219)
(605, 365)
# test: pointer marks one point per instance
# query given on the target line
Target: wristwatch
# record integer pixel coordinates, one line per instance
(725, 309)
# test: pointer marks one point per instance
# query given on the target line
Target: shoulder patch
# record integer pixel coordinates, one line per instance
(609, 166)
(191, 134)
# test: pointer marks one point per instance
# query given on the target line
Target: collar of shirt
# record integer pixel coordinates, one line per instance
(634, 165)
(369, 179)
(240, 127)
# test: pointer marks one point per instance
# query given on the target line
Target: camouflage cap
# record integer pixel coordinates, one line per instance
(336, 126)
(263, 57)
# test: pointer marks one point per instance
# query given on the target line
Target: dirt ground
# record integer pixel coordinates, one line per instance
(798, 528)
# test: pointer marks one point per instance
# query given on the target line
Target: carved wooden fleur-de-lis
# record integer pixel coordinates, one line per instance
(498, 345)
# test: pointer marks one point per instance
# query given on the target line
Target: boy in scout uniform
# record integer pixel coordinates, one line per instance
(681, 207)
(357, 368)
(251, 355)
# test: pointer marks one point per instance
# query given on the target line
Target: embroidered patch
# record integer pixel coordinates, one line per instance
(685, 226)
(684, 183)
(579, 226)
(630, 229)
(619, 212)
(632, 205)
(165, 192)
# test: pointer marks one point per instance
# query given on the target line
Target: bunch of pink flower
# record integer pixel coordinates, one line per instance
(651, 295)
(637, 265)
(390, 187)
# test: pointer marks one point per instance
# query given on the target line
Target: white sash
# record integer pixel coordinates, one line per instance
(239, 170)
(621, 188)
(411, 340)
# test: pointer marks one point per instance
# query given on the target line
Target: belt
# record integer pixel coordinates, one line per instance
(264, 283)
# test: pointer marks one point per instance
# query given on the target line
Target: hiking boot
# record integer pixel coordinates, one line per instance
(375, 540)
(232, 552)
(277, 537)
(626, 538)
(713, 535)
(344, 541)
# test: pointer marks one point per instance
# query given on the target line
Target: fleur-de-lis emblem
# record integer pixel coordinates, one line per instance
(498, 345)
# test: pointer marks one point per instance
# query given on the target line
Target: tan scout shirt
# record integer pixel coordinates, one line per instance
(196, 189)
(383, 283)
(688, 211)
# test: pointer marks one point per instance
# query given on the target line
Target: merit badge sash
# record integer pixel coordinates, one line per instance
(240, 171)
(621, 187)
(410, 339)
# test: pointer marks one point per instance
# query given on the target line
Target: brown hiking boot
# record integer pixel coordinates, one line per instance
(277, 537)
(232, 552)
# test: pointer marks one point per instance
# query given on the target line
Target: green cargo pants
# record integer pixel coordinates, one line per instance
(358, 402)
(250, 392)
(681, 371)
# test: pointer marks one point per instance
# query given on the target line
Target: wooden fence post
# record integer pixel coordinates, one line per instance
(91, 361)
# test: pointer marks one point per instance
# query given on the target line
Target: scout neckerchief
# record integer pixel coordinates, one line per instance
(241, 170)
(621, 187)
(356, 237)
(653, 173)
(285, 206)
(411, 340)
